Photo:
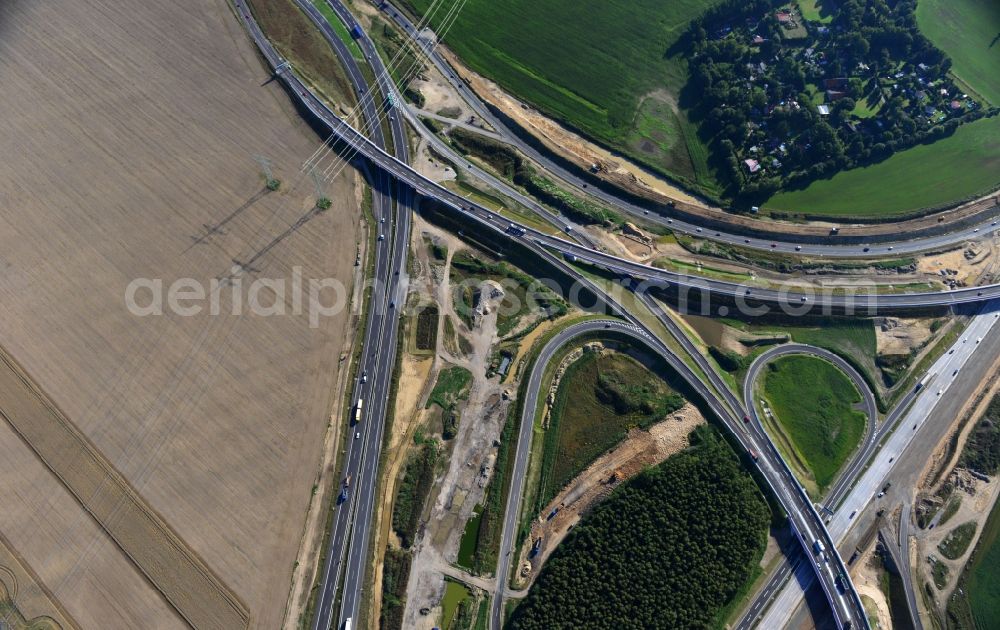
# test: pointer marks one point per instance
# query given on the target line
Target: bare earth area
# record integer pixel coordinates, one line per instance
(128, 141)
(634, 178)
(568, 144)
(640, 450)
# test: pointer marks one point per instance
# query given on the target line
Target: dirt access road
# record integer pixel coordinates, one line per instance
(127, 128)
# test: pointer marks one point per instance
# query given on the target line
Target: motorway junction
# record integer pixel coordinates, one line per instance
(573, 250)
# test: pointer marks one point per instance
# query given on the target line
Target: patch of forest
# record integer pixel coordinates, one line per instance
(669, 549)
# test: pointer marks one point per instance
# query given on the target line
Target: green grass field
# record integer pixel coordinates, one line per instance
(957, 541)
(926, 176)
(976, 601)
(969, 31)
(454, 594)
(815, 11)
(599, 399)
(452, 385)
(965, 164)
(813, 401)
(851, 338)
(590, 64)
(983, 574)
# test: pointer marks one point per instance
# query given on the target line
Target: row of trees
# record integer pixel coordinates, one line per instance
(512, 166)
(414, 488)
(669, 549)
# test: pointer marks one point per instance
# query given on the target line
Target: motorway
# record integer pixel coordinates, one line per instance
(794, 301)
(899, 441)
(869, 444)
(898, 548)
(845, 480)
(761, 238)
(786, 489)
(802, 513)
(869, 441)
(352, 517)
(358, 557)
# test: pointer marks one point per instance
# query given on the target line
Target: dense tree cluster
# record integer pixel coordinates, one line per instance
(512, 166)
(395, 575)
(668, 549)
(414, 487)
(789, 100)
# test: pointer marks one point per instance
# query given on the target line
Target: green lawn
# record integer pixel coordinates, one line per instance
(599, 399)
(965, 164)
(813, 402)
(589, 64)
(814, 11)
(968, 30)
(957, 541)
(454, 594)
(452, 385)
(982, 576)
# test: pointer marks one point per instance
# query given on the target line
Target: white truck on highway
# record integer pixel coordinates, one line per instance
(924, 381)
(357, 410)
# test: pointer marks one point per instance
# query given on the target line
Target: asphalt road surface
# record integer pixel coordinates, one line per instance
(808, 525)
(485, 218)
(793, 300)
(426, 42)
(785, 488)
(979, 345)
(352, 516)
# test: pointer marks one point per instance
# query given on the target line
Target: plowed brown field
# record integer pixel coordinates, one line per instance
(126, 128)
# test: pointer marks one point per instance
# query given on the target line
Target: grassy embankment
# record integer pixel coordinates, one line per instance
(295, 37)
(957, 541)
(452, 387)
(813, 403)
(853, 339)
(598, 400)
(609, 71)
